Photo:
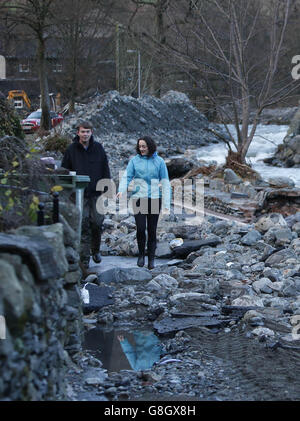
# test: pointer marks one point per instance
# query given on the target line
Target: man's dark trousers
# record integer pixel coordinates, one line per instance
(91, 230)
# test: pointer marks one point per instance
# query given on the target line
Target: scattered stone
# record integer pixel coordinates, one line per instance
(166, 281)
(263, 331)
(248, 301)
(281, 182)
(263, 285)
(170, 325)
(251, 238)
(98, 297)
(125, 275)
(279, 257)
(230, 177)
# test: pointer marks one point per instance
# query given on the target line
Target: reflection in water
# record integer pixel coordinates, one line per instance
(121, 350)
(145, 351)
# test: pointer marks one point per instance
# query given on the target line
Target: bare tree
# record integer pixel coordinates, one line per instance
(81, 26)
(158, 29)
(37, 15)
(233, 50)
(242, 49)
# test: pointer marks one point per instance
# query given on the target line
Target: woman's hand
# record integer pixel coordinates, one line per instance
(119, 195)
(165, 211)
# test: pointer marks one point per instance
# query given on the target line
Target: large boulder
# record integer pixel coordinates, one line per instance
(288, 152)
(272, 220)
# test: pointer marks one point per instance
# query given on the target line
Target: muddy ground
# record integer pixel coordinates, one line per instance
(200, 365)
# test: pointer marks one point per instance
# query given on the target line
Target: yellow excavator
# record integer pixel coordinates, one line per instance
(19, 98)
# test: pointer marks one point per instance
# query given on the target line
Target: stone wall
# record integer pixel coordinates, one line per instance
(40, 300)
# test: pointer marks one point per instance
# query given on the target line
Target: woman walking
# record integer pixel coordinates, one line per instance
(151, 192)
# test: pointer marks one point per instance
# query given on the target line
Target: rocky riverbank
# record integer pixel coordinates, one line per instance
(227, 312)
(221, 313)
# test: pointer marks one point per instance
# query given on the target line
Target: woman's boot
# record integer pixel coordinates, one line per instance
(141, 259)
(151, 255)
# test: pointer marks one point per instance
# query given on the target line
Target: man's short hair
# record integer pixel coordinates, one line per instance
(84, 125)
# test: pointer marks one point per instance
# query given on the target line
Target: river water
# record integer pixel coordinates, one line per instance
(264, 145)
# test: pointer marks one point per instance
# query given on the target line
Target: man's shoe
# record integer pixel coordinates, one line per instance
(141, 261)
(96, 257)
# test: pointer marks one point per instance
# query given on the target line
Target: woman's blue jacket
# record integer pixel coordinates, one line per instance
(150, 177)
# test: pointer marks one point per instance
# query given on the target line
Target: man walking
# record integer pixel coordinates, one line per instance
(87, 157)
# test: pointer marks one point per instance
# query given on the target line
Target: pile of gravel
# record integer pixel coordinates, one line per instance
(119, 120)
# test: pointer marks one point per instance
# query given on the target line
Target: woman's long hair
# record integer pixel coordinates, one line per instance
(150, 143)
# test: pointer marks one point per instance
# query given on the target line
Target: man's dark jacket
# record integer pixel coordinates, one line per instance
(91, 161)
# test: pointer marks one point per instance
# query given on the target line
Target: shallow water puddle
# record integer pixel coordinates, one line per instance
(123, 350)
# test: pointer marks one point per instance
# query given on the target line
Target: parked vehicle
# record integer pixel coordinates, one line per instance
(33, 122)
